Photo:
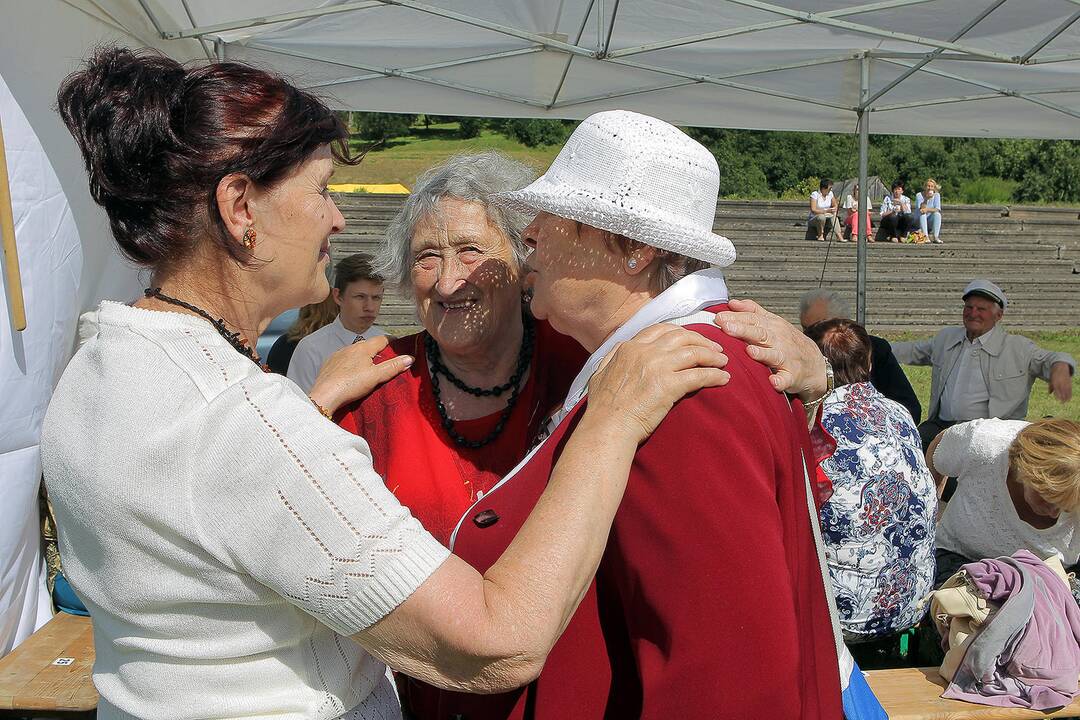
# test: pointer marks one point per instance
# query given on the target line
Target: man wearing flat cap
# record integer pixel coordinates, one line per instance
(980, 370)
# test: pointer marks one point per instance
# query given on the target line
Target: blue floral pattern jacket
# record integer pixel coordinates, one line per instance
(879, 524)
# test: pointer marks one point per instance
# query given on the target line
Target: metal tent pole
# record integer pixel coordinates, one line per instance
(12, 277)
(864, 148)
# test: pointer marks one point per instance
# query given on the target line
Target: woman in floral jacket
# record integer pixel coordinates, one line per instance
(878, 525)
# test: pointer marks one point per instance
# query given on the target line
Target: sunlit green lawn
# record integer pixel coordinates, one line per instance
(403, 158)
(1042, 403)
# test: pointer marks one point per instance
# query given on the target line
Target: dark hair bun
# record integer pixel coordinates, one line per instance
(157, 139)
(120, 109)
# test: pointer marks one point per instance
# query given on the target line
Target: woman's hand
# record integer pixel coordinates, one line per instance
(642, 378)
(350, 374)
(798, 365)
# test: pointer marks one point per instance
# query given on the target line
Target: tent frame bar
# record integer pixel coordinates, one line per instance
(577, 41)
(1050, 38)
(821, 19)
(863, 199)
(420, 68)
(1002, 91)
(930, 58)
(405, 74)
(757, 27)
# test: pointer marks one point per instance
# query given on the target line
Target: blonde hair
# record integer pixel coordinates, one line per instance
(1046, 457)
(312, 317)
(932, 183)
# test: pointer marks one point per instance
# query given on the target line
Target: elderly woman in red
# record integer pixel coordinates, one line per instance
(709, 601)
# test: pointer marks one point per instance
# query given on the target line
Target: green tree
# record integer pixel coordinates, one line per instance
(383, 126)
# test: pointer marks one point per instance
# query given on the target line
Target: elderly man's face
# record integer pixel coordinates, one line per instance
(465, 278)
(981, 314)
(818, 311)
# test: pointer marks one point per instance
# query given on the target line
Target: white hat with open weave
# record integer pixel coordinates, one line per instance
(636, 176)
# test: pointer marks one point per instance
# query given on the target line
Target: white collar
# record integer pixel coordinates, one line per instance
(342, 333)
(692, 293)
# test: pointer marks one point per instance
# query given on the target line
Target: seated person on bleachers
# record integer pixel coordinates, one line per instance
(928, 206)
(851, 208)
(886, 374)
(1018, 488)
(878, 525)
(822, 209)
(897, 218)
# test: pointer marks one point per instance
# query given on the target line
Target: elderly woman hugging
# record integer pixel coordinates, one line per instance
(714, 529)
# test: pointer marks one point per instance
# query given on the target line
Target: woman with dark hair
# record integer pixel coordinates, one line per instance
(878, 525)
(822, 209)
(897, 218)
(236, 550)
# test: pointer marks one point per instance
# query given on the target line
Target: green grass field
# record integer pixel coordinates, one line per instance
(1042, 403)
(403, 158)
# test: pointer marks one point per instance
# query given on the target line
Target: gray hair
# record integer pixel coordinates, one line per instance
(468, 176)
(836, 305)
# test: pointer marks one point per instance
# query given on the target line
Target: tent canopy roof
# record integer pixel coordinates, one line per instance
(996, 68)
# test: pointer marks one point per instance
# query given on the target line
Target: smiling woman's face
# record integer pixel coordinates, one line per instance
(465, 279)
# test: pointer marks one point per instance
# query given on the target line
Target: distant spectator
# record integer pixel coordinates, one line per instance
(886, 374)
(358, 293)
(878, 525)
(897, 218)
(928, 203)
(1018, 488)
(311, 318)
(822, 209)
(980, 370)
(851, 206)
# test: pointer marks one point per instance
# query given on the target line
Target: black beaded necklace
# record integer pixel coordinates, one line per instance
(233, 338)
(437, 367)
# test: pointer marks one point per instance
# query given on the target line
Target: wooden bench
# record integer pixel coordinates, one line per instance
(48, 675)
(914, 694)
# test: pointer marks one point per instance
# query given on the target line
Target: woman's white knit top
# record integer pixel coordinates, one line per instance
(224, 535)
(980, 520)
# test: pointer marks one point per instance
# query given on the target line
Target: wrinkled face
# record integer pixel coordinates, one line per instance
(817, 312)
(1040, 505)
(572, 272)
(465, 279)
(359, 304)
(294, 221)
(981, 314)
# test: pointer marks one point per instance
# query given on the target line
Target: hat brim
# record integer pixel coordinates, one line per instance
(986, 294)
(605, 214)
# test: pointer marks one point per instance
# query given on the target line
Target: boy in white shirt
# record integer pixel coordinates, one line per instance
(358, 292)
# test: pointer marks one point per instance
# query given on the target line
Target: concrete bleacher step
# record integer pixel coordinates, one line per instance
(1034, 253)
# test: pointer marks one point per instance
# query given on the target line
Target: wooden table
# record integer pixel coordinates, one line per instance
(49, 673)
(914, 694)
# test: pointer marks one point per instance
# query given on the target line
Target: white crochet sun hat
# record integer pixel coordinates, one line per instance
(639, 177)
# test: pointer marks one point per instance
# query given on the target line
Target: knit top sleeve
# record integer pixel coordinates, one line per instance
(290, 499)
(975, 444)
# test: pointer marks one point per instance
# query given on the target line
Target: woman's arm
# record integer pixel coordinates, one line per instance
(939, 478)
(814, 209)
(492, 632)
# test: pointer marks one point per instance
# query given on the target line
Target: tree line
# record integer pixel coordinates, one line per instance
(770, 164)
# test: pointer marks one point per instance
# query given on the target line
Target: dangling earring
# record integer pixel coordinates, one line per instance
(632, 263)
(248, 240)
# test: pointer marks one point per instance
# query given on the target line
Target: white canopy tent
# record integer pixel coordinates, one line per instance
(994, 68)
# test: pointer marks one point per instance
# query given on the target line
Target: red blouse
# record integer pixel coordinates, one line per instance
(709, 601)
(424, 468)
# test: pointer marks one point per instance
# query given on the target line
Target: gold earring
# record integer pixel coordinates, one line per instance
(248, 240)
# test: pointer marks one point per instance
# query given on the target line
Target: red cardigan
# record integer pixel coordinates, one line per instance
(709, 601)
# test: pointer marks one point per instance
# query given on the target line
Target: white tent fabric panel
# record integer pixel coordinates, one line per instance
(30, 364)
(1001, 68)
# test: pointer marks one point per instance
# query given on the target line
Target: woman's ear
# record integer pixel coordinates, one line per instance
(639, 258)
(234, 201)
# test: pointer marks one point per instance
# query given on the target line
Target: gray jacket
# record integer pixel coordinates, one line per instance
(1010, 364)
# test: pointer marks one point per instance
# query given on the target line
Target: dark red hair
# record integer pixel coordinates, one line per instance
(157, 138)
(847, 345)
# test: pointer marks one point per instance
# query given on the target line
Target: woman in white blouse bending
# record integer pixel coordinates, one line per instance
(236, 550)
(1018, 487)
